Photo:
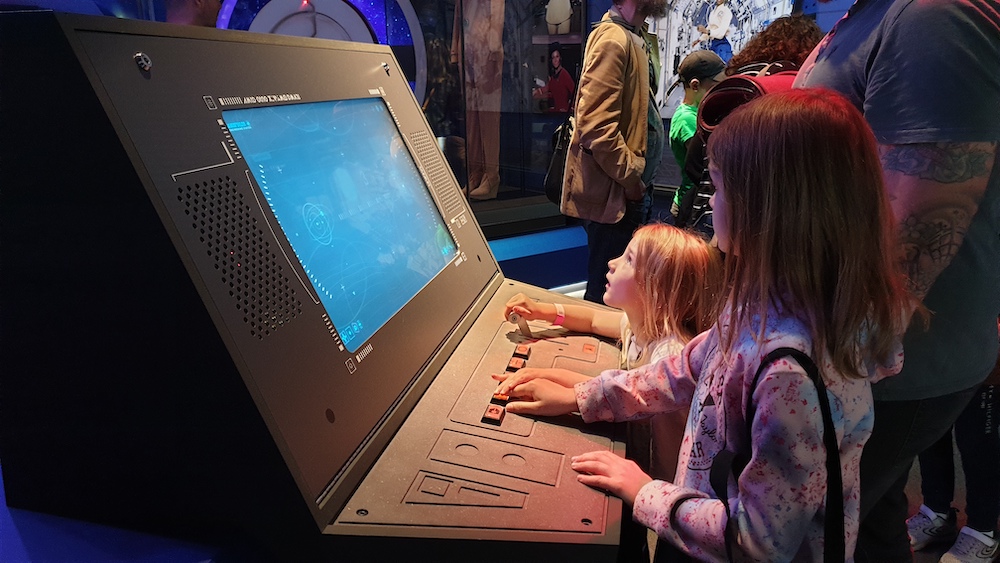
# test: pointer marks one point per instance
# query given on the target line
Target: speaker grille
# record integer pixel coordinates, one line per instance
(437, 170)
(250, 271)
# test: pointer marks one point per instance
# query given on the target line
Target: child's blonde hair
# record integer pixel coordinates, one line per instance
(680, 280)
(810, 225)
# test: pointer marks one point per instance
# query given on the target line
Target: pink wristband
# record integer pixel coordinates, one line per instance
(560, 315)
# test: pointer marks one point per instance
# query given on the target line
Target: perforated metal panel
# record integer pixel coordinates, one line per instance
(256, 279)
(437, 172)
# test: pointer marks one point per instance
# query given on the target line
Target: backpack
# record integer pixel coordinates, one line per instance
(754, 81)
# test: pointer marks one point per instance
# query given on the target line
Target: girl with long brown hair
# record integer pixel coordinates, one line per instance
(812, 314)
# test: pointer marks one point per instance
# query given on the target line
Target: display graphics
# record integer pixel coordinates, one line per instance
(351, 202)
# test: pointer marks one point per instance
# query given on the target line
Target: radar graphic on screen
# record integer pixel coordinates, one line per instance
(351, 202)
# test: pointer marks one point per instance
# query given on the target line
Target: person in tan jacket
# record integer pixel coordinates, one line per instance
(604, 182)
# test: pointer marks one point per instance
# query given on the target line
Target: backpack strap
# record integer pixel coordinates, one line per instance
(729, 463)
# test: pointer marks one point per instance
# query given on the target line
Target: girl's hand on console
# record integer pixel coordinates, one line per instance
(527, 308)
(609, 472)
(510, 381)
(542, 397)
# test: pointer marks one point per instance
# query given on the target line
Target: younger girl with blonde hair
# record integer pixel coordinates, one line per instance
(666, 286)
(813, 312)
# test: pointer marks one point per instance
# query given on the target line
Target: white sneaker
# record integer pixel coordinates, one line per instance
(971, 547)
(927, 527)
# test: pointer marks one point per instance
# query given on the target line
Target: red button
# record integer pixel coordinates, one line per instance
(493, 415)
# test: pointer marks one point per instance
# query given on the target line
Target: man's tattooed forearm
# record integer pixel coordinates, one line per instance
(929, 244)
(947, 163)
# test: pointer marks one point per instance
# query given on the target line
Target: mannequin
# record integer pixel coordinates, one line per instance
(481, 64)
(557, 15)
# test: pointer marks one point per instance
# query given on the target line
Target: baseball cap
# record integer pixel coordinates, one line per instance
(702, 64)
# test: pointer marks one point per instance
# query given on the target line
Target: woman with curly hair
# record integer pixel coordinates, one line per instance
(788, 38)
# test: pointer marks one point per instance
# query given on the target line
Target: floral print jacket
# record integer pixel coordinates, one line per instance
(779, 499)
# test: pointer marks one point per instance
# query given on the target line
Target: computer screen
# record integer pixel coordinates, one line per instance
(348, 196)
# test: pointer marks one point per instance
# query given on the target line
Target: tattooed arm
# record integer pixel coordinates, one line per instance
(935, 190)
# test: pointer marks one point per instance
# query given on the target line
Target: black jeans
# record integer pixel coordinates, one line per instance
(979, 446)
(607, 242)
(902, 430)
